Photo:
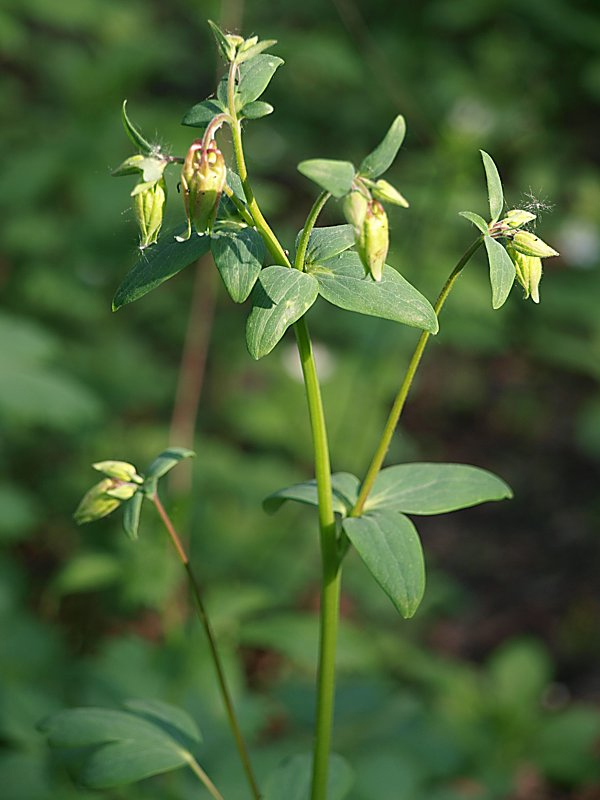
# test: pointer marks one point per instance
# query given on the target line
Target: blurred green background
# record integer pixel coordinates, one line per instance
(493, 690)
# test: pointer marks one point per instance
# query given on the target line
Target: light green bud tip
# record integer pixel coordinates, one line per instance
(517, 217)
(120, 470)
(99, 501)
(373, 242)
(355, 210)
(531, 245)
(384, 191)
(529, 272)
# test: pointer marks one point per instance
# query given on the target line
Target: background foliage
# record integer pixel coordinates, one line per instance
(492, 690)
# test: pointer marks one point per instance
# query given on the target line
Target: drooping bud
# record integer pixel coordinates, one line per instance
(202, 180)
(373, 241)
(149, 200)
(517, 217)
(531, 245)
(97, 503)
(120, 470)
(529, 272)
(384, 191)
(355, 210)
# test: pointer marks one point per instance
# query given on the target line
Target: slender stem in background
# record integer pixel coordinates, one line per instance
(199, 772)
(331, 575)
(400, 400)
(224, 689)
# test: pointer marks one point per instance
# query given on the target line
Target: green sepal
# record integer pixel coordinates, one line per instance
(135, 136)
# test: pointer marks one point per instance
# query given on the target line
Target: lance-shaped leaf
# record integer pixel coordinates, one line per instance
(334, 176)
(342, 281)
(281, 296)
(158, 263)
(162, 464)
(494, 186)
(255, 76)
(478, 221)
(389, 545)
(131, 515)
(200, 115)
(502, 271)
(381, 159)
(238, 255)
(135, 136)
(345, 488)
(291, 779)
(424, 488)
(325, 243)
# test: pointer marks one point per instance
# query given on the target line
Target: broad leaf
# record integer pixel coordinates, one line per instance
(342, 281)
(135, 136)
(238, 255)
(281, 296)
(255, 76)
(235, 184)
(131, 514)
(381, 159)
(171, 719)
(478, 221)
(82, 727)
(502, 271)
(334, 176)
(256, 110)
(325, 243)
(494, 186)
(158, 263)
(162, 464)
(200, 115)
(390, 547)
(434, 488)
(122, 762)
(345, 492)
(291, 779)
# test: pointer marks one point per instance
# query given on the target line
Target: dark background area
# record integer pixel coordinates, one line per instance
(492, 690)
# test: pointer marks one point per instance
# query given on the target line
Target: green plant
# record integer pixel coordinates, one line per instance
(345, 265)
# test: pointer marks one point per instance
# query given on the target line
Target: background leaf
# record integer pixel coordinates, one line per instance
(291, 779)
(334, 176)
(502, 271)
(494, 186)
(238, 255)
(119, 763)
(424, 488)
(345, 492)
(389, 545)
(381, 159)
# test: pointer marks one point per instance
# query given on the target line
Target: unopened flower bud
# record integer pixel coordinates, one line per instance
(529, 272)
(531, 245)
(384, 191)
(355, 210)
(120, 470)
(202, 179)
(373, 242)
(97, 503)
(517, 217)
(148, 203)
(122, 491)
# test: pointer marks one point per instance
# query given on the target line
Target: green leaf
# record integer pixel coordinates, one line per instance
(82, 727)
(132, 510)
(381, 159)
(133, 133)
(255, 76)
(171, 719)
(200, 115)
(122, 762)
(334, 176)
(502, 271)
(87, 572)
(325, 243)
(478, 221)
(342, 281)
(158, 263)
(423, 488)
(345, 492)
(291, 779)
(281, 296)
(494, 186)
(162, 464)
(226, 49)
(253, 51)
(389, 545)
(256, 110)
(238, 256)
(235, 184)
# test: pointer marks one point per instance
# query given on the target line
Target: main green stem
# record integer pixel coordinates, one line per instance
(400, 400)
(212, 643)
(331, 573)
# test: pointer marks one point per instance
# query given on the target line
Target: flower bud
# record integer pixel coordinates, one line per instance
(355, 210)
(517, 217)
(531, 245)
(203, 179)
(529, 272)
(120, 470)
(384, 191)
(373, 241)
(97, 503)
(148, 203)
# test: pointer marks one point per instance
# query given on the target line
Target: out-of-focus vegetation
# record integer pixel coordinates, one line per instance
(492, 691)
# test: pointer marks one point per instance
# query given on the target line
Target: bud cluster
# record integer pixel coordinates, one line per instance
(203, 179)
(121, 483)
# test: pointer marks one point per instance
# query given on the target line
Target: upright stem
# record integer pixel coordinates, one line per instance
(202, 615)
(331, 575)
(400, 400)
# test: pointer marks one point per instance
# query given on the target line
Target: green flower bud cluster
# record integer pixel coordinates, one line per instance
(236, 48)
(121, 483)
(364, 211)
(203, 179)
